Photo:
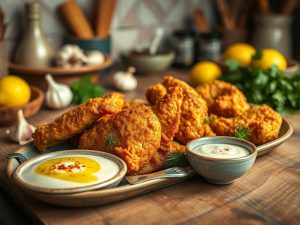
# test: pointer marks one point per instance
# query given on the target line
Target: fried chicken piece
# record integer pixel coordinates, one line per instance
(133, 134)
(155, 92)
(129, 103)
(76, 120)
(223, 99)
(158, 161)
(168, 110)
(262, 121)
(193, 111)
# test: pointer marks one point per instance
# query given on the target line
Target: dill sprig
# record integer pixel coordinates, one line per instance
(110, 140)
(242, 132)
(175, 159)
(208, 120)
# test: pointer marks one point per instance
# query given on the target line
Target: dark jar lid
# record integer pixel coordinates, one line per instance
(184, 33)
(210, 35)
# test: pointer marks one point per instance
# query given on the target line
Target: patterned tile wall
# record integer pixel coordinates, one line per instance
(133, 24)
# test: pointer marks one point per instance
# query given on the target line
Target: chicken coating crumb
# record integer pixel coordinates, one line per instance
(223, 99)
(133, 134)
(76, 120)
(262, 122)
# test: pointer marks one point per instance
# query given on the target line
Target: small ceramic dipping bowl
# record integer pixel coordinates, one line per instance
(221, 160)
(148, 63)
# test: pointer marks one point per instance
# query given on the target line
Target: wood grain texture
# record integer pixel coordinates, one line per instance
(268, 194)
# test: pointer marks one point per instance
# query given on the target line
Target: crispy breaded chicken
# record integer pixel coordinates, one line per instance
(129, 103)
(76, 120)
(193, 111)
(155, 92)
(223, 99)
(262, 121)
(168, 110)
(133, 134)
(158, 161)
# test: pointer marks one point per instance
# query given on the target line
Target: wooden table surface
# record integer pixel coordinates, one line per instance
(268, 194)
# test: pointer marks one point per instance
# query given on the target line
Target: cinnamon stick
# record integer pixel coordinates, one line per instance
(105, 11)
(263, 6)
(75, 19)
(289, 6)
(223, 10)
(200, 21)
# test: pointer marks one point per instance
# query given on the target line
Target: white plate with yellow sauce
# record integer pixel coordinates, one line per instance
(70, 171)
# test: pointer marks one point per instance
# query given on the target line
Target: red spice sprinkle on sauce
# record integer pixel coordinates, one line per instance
(67, 168)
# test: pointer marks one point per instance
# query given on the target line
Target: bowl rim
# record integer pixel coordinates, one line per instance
(231, 140)
(126, 53)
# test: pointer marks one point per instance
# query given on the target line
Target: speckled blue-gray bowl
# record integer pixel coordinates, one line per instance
(216, 170)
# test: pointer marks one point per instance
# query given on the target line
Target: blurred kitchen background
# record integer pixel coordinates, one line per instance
(134, 21)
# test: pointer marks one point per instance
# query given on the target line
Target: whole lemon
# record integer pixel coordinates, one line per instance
(270, 57)
(205, 72)
(14, 91)
(241, 52)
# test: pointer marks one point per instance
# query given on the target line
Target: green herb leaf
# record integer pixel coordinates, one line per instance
(176, 158)
(242, 132)
(257, 56)
(84, 90)
(232, 64)
(110, 140)
(208, 120)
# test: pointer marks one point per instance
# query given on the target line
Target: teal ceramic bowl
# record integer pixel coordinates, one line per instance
(216, 170)
(148, 63)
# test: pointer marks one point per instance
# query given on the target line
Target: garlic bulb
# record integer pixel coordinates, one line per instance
(70, 56)
(125, 80)
(22, 131)
(57, 95)
(94, 57)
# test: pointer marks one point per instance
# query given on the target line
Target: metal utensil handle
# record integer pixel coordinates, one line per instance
(168, 173)
(17, 156)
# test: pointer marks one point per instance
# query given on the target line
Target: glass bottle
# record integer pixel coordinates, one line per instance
(34, 49)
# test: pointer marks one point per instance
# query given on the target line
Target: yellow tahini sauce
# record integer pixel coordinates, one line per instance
(75, 169)
(221, 151)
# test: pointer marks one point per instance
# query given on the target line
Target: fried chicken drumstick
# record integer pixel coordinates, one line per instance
(76, 120)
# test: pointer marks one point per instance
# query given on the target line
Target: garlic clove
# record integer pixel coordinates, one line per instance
(58, 95)
(70, 56)
(125, 80)
(22, 131)
(94, 57)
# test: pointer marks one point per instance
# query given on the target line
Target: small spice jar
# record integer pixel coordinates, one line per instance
(183, 43)
(209, 46)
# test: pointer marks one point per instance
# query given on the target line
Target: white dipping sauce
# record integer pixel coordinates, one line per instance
(221, 151)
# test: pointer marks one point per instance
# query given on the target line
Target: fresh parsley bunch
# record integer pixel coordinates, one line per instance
(84, 90)
(269, 86)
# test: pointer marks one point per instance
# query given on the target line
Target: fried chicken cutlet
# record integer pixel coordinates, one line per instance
(133, 134)
(76, 120)
(223, 99)
(262, 122)
(193, 112)
(168, 110)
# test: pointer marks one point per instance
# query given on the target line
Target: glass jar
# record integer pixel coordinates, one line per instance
(209, 46)
(183, 43)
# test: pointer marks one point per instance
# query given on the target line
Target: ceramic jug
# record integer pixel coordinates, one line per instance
(273, 31)
(34, 49)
